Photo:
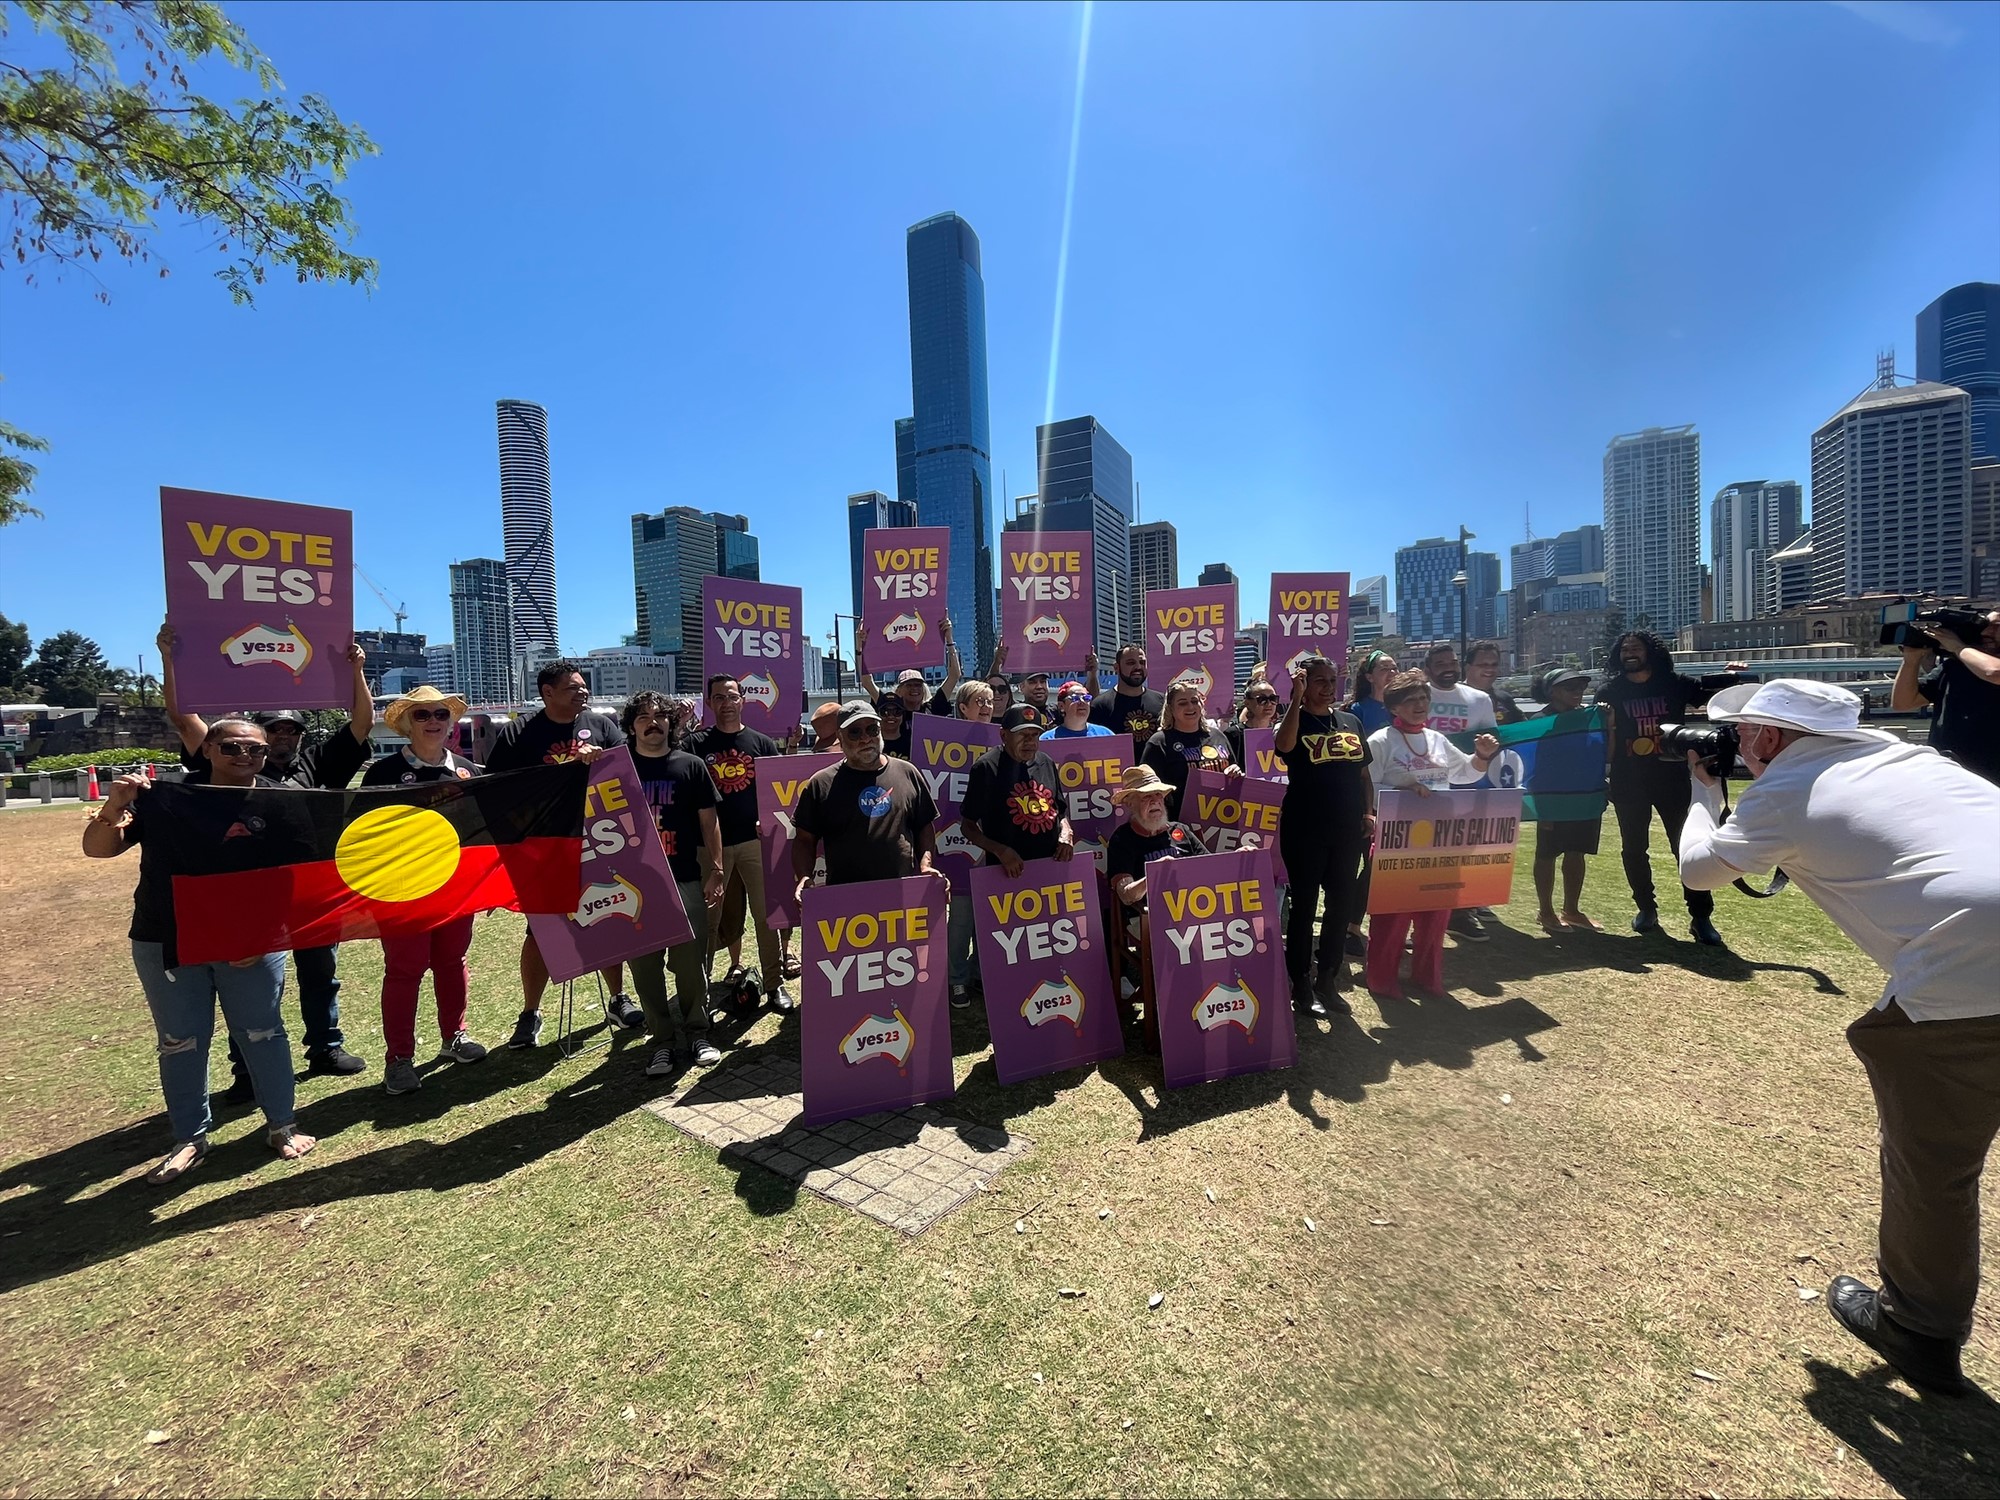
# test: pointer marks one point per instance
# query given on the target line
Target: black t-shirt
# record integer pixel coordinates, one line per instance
(400, 768)
(1328, 768)
(153, 897)
(1018, 805)
(1130, 851)
(1640, 709)
(539, 740)
(1173, 753)
(939, 705)
(899, 747)
(731, 761)
(329, 765)
(1967, 726)
(867, 822)
(678, 788)
(1505, 709)
(1137, 715)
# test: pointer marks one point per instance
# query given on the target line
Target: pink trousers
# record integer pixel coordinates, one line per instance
(1385, 949)
(442, 951)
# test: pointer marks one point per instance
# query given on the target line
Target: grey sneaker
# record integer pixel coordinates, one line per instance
(706, 1053)
(623, 1013)
(462, 1048)
(662, 1064)
(400, 1076)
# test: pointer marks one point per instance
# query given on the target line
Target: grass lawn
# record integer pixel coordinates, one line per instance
(1560, 1226)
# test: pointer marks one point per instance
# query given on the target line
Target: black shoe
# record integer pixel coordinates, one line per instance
(1929, 1364)
(240, 1091)
(1647, 920)
(783, 1001)
(527, 1030)
(334, 1059)
(961, 998)
(620, 1012)
(1704, 933)
(1356, 946)
(1305, 1001)
(1327, 988)
(1465, 924)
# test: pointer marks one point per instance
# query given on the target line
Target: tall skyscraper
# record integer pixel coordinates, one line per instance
(1368, 610)
(948, 453)
(671, 553)
(1086, 485)
(482, 631)
(1749, 523)
(1958, 343)
(1532, 559)
(1652, 526)
(1891, 494)
(1985, 530)
(871, 510)
(1215, 573)
(441, 667)
(1156, 564)
(527, 519)
(392, 651)
(1427, 599)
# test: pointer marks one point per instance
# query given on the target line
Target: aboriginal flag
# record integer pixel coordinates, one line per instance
(264, 869)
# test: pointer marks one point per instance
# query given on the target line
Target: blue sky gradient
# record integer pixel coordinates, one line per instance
(1339, 276)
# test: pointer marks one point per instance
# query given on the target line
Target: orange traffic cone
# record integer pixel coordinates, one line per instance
(90, 793)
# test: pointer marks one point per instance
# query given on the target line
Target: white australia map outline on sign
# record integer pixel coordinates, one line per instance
(1244, 1016)
(891, 1036)
(1068, 1006)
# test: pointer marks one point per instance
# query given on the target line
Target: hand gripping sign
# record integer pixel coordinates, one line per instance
(903, 573)
(630, 903)
(1046, 599)
(752, 631)
(261, 593)
(1047, 969)
(1444, 851)
(1192, 633)
(875, 1031)
(1308, 618)
(780, 779)
(1235, 812)
(1218, 967)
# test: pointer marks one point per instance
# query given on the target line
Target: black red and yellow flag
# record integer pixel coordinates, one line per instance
(265, 869)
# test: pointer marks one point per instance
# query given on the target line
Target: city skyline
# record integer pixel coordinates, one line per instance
(1201, 324)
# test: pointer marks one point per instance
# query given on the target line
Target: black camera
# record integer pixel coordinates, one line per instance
(1714, 743)
(1966, 624)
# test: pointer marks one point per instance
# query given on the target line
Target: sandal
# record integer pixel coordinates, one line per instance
(289, 1141)
(168, 1171)
(1554, 924)
(1578, 919)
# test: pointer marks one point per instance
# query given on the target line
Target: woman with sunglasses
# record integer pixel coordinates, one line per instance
(426, 718)
(1259, 710)
(183, 997)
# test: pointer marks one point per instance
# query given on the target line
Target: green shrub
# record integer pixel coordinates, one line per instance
(102, 758)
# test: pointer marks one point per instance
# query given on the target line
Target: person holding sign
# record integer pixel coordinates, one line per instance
(871, 815)
(1328, 820)
(730, 750)
(425, 717)
(910, 683)
(1259, 711)
(565, 729)
(1073, 700)
(1013, 811)
(1148, 833)
(1128, 707)
(1186, 742)
(1410, 755)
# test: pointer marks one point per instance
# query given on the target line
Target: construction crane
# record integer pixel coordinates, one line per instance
(397, 610)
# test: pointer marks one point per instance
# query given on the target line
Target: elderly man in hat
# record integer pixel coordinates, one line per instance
(1013, 811)
(1897, 845)
(332, 765)
(1148, 833)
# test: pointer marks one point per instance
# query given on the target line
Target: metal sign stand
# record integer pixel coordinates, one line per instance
(566, 1042)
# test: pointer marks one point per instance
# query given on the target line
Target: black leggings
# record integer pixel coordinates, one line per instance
(1315, 863)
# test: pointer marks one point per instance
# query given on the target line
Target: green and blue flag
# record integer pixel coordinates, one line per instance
(1556, 759)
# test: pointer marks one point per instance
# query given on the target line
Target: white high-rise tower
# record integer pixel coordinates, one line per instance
(1652, 526)
(527, 519)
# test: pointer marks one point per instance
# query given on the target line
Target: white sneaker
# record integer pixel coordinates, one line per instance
(663, 1064)
(706, 1054)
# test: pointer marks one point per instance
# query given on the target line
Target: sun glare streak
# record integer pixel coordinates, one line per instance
(1062, 246)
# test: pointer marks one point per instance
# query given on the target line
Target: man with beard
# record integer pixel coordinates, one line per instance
(289, 762)
(1646, 692)
(565, 729)
(870, 815)
(1147, 834)
(1013, 810)
(1128, 707)
(681, 794)
(1482, 671)
(1457, 708)
(731, 750)
(1323, 832)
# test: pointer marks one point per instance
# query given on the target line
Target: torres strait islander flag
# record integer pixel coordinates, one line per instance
(264, 869)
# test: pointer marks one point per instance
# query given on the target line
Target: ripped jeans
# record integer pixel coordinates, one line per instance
(183, 1002)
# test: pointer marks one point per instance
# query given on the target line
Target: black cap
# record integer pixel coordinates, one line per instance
(1023, 716)
(281, 716)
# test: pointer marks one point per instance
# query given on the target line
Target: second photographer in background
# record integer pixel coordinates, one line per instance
(1964, 686)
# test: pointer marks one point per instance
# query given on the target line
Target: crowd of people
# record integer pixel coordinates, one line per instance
(1873, 829)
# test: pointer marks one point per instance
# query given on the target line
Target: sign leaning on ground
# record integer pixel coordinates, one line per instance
(1048, 979)
(903, 573)
(752, 631)
(875, 1031)
(1218, 967)
(630, 903)
(261, 593)
(780, 779)
(1047, 599)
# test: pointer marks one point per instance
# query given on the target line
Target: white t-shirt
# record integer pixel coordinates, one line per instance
(1403, 760)
(1457, 709)
(1898, 845)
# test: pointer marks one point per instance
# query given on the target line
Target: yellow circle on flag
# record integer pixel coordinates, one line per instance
(397, 853)
(1420, 835)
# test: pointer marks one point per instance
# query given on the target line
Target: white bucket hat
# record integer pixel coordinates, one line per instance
(1794, 703)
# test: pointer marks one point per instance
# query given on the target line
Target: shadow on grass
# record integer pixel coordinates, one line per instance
(1516, 954)
(1920, 1446)
(50, 1231)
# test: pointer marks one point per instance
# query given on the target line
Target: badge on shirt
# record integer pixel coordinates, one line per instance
(875, 800)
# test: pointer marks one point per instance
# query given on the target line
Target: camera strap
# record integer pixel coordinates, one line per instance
(1779, 879)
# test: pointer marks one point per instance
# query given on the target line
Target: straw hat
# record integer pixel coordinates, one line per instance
(1136, 782)
(397, 714)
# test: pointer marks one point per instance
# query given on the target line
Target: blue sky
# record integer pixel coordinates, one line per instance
(1339, 276)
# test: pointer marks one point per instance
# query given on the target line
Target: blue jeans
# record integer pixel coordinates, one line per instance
(958, 936)
(183, 1002)
(319, 1001)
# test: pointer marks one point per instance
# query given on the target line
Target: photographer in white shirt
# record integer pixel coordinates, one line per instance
(1898, 846)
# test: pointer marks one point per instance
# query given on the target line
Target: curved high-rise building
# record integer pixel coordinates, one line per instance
(527, 519)
(1958, 343)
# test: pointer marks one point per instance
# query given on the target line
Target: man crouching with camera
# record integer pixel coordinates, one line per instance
(1897, 845)
(1964, 687)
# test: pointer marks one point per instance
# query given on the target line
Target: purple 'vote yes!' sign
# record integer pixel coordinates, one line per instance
(1048, 979)
(903, 573)
(1218, 967)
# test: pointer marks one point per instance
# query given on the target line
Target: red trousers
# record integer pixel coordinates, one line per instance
(442, 951)
(1385, 949)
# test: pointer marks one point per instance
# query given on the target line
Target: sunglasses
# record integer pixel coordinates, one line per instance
(243, 749)
(431, 715)
(1262, 698)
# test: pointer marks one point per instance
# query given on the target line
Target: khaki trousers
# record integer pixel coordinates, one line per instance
(743, 887)
(1937, 1093)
